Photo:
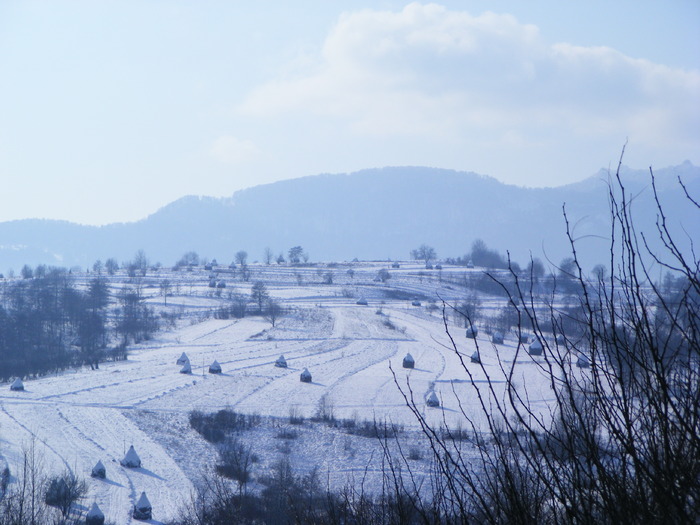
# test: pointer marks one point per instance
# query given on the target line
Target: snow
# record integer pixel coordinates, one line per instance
(78, 418)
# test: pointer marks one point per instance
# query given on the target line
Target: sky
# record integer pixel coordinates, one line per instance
(111, 109)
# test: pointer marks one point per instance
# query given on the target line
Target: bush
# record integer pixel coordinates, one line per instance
(215, 427)
(235, 460)
(63, 491)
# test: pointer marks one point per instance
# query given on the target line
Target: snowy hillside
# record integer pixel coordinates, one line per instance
(353, 351)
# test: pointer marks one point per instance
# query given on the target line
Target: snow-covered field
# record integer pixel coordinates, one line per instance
(353, 352)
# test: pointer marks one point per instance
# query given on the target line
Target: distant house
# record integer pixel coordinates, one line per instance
(142, 508)
(215, 367)
(17, 385)
(281, 362)
(305, 376)
(131, 459)
(408, 361)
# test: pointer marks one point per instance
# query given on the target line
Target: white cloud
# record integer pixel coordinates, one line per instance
(430, 72)
(230, 150)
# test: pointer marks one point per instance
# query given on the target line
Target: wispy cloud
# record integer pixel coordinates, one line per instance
(429, 71)
(232, 150)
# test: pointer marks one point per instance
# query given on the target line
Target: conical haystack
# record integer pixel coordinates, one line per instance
(472, 332)
(475, 357)
(186, 368)
(305, 376)
(408, 361)
(215, 367)
(142, 508)
(99, 470)
(183, 359)
(94, 516)
(535, 348)
(582, 361)
(17, 385)
(131, 459)
(432, 399)
(281, 362)
(497, 338)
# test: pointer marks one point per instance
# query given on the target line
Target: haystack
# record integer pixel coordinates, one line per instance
(432, 399)
(472, 332)
(131, 459)
(305, 376)
(475, 357)
(215, 367)
(142, 508)
(94, 516)
(99, 471)
(408, 361)
(582, 361)
(183, 359)
(17, 385)
(535, 348)
(186, 368)
(281, 362)
(497, 338)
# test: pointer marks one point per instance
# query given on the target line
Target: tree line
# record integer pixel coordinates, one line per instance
(47, 323)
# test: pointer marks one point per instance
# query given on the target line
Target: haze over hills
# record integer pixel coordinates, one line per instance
(371, 214)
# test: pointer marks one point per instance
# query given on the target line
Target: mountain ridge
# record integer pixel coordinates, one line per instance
(370, 214)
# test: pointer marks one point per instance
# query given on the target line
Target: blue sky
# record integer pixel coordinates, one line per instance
(111, 109)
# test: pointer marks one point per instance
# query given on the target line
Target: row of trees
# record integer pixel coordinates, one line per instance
(47, 323)
(295, 255)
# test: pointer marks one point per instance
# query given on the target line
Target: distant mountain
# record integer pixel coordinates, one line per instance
(371, 214)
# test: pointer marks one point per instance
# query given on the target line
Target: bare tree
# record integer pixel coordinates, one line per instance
(259, 294)
(424, 253)
(166, 288)
(273, 311)
(111, 265)
(241, 257)
(620, 442)
(296, 253)
(268, 256)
